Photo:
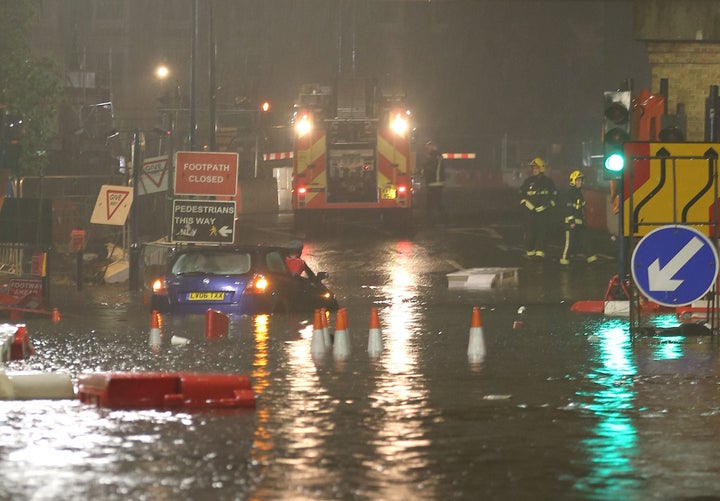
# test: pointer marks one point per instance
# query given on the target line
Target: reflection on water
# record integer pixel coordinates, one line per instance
(612, 448)
(400, 397)
(262, 444)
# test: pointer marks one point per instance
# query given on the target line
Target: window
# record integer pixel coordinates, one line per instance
(275, 262)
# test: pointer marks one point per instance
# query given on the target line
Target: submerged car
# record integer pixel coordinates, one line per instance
(243, 280)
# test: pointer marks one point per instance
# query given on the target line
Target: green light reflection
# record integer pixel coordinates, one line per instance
(611, 447)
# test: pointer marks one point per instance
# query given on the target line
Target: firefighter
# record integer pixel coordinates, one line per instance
(576, 240)
(538, 196)
(434, 174)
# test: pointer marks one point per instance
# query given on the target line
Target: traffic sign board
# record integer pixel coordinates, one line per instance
(203, 221)
(112, 205)
(206, 173)
(675, 265)
(154, 175)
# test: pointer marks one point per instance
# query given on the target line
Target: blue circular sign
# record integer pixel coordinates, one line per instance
(675, 265)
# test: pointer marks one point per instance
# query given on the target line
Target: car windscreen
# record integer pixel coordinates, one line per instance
(216, 263)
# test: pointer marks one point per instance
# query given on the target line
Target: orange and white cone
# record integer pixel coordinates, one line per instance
(341, 346)
(317, 345)
(55, 315)
(155, 335)
(325, 328)
(375, 344)
(476, 344)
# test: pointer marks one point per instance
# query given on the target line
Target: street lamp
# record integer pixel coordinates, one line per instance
(163, 72)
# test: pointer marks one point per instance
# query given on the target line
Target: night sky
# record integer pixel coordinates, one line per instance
(472, 71)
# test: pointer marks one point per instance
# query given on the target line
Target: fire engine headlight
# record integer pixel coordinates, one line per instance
(399, 124)
(303, 126)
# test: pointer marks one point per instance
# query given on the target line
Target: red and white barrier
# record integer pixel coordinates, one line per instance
(278, 156)
(217, 324)
(35, 386)
(136, 390)
(15, 342)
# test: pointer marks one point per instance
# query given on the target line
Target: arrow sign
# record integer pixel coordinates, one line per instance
(661, 279)
(225, 231)
(675, 265)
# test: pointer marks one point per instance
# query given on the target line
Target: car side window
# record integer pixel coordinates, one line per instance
(275, 262)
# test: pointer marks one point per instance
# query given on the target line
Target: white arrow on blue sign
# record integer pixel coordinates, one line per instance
(675, 265)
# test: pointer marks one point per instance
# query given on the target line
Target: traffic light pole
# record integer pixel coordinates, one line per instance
(135, 250)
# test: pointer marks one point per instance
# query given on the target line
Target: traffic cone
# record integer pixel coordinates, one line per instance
(341, 346)
(55, 315)
(520, 320)
(155, 335)
(325, 328)
(375, 344)
(317, 346)
(476, 344)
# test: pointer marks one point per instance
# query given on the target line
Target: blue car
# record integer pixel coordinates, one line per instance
(238, 279)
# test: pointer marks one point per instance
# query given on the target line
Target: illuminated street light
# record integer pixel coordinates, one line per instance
(162, 72)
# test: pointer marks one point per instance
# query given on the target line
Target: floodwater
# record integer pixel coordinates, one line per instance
(568, 406)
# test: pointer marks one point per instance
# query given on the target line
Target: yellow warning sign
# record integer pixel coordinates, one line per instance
(113, 205)
(670, 183)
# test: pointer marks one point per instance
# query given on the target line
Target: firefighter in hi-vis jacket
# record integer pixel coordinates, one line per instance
(576, 239)
(538, 196)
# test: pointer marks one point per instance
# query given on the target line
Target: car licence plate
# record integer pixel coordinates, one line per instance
(206, 296)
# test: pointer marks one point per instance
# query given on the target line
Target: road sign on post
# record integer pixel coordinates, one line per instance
(112, 205)
(675, 265)
(206, 173)
(203, 221)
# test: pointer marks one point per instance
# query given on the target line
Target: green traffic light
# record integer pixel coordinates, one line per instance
(615, 162)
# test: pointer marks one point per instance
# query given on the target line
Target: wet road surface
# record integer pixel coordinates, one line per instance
(567, 407)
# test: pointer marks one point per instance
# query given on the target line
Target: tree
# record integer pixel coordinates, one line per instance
(30, 87)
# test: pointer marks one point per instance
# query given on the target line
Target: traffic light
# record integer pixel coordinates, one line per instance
(616, 132)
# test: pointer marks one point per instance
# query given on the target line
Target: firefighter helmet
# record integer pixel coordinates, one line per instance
(574, 176)
(539, 163)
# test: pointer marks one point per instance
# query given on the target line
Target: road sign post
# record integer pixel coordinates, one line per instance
(675, 265)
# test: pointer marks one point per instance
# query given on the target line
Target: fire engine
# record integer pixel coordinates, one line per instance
(351, 155)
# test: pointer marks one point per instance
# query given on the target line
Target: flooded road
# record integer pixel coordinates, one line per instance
(567, 407)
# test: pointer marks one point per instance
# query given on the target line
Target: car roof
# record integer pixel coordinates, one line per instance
(249, 248)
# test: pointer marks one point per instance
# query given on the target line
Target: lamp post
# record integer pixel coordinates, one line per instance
(163, 72)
